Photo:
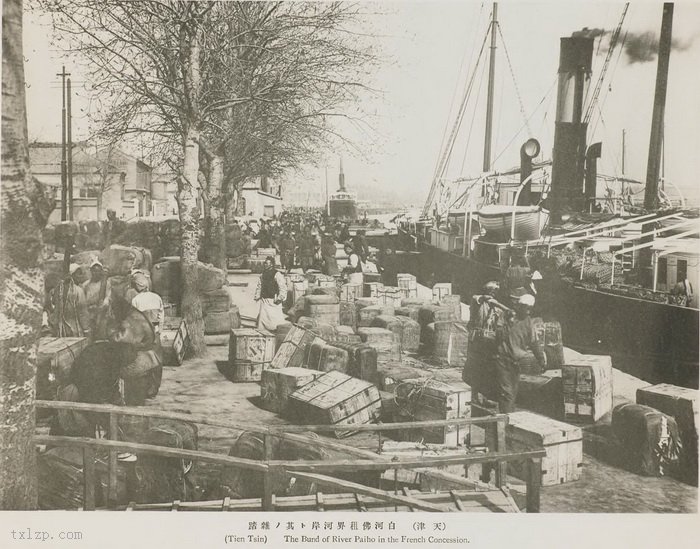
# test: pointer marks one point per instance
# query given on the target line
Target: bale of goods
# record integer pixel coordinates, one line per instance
(440, 290)
(318, 328)
(250, 352)
(391, 323)
(281, 333)
(216, 301)
(336, 399)
(371, 289)
(119, 285)
(54, 360)
(434, 313)
(681, 404)
(296, 311)
(277, 384)
(167, 281)
(350, 292)
(292, 351)
(209, 278)
(588, 388)
(410, 334)
(649, 438)
(345, 334)
(563, 444)
(174, 341)
(348, 314)
(366, 302)
(390, 296)
(222, 323)
(384, 341)
(325, 357)
(426, 400)
(118, 259)
(454, 301)
(451, 342)
(408, 311)
(413, 302)
(324, 308)
(366, 315)
(362, 360)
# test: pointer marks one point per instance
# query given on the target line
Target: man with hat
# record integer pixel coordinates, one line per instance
(98, 291)
(354, 266)
(149, 303)
(67, 309)
(515, 341)
(271, 292)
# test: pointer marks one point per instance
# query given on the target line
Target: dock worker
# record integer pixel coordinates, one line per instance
(353, 270)
(271, 292)
(98, 291)
(328, 251)
(515, 341)
(286, 245)
(148, 302)
(67, 309)
(517, 278)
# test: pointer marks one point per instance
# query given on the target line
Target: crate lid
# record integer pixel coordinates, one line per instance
(535, 429)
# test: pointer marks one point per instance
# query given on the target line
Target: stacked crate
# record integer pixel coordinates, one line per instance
(250, 352)
(562, 442)
(292, 351)
(348, 314)
(440, 290)
(455, 302)
(220, 314)
(390, 296)
(362, 360)
(297, 286)
(350, 292)
(588, 388)
(326, 357)
(384, 341)
(324, 308)
(277, 384)
(450, 342)
(335, 398)
(174, 340)
(407, 284)
(371, 289)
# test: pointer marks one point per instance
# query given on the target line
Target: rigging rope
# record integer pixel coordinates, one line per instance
(515, 82)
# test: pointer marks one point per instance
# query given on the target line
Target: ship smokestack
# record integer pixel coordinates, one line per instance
(592, 155)
(341, 178)
(529, 150)
(575, 60)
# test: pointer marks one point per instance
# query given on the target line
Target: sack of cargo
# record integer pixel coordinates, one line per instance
(119, 285)
(297, 310)
(681, 404)
(324, 308)
(384, 341)
(325, 357)
(292, 351)
(55, 358)
(649, 439)
(209, 278)
(454, 301)
(84, 259)
(144, 258)
(435, 313)
(366, 315)
(167, 281)
(277, 384)
(362, 360)
(118, 260)
(410, 334)
(391, 323)
(222, 323)
(450, 342)
(143, 363)
(348, 314)
(217, 301)
(409, 311)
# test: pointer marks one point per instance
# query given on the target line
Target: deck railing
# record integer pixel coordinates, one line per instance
(312, 470)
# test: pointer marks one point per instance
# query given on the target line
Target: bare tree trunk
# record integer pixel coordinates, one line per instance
(21, 279)
(217, 235)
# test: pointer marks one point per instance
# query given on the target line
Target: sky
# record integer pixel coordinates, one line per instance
(429, 48)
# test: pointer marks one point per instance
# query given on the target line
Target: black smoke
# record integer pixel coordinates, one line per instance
(589, 33)
(644, 47)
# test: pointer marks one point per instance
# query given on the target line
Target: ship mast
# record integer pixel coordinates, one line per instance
(489, 98)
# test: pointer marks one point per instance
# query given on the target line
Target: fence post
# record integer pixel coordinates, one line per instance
(534, 481)
(89, 478)
(502, 466)
(112, 434)
(268, 478)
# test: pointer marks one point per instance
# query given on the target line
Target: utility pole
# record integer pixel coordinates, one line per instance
(69, 133)
(328, 204)
(64, 178)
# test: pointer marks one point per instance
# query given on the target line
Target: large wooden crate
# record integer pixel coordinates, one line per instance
(250, 352)
(389, 295)
(562, 442)
(362, 360)
(174, 340)
(681, 404)
(406, 281)
(426, 400)
(336, 399)
(292, 351)
(55, 358)
(325, 357)
(450, 342)
(350, 292)
(277, 384)
(385, 341)
(434, 313)
(324, 308)
(440, 290)
(371, 289)
(588, 388)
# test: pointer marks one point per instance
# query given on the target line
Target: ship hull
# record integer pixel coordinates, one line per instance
(652, 341)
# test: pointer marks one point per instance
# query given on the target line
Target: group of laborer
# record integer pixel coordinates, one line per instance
(503, 336)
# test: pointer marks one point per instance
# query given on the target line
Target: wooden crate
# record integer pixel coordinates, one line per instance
(336, 399)
(454, 301)
(562, 442)
(406, 449)
(588, 388)
(681, 404)
(390, 296)
(265, 252)
(350, 292)
(362, 360)
(256, 264)
(408, 293)
(174, 340)
(386, 343)
(251, 346)
(324, 308)
(440, 290)
(371, 289)
(325, 281)
(450, 342)
(426, 400)
(410, 334)
(277, 385)
(55, 358)
(347, 315)
(292, 351)
(406, 281)
(324, 357)
(345, 334)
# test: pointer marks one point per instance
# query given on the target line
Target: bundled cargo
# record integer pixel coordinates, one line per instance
(681, 404)
(222, 322)
(216, 301)
(297, 286)
(366, 302)
(410, 334)
(324, 308)
(336, 399)
(440, 290)
(320, 329)
(390, 296)
(426, 400)
(118, 260)
(250, 352)
(348, 314)
(371, 289)
(366, 315)
(588, 387)
(362, 360)
(350, 292)
(167, 280)
(345, 334)
(292, 352)
(450, 341)
(435, 313)
(562, 442)
(281, 333)
(390, 323)
(54, 360)
(384, 341)
(174, 340)
(277, 384)
(326, 357)
(454, 301)
(414, 302)
(408, 311)
(649, 438)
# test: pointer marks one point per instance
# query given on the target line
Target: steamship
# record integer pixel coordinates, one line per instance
(609, 277)
(342, 204)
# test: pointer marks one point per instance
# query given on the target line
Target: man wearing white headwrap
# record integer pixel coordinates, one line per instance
(516, 341)
(149, 303)
(67, 309)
